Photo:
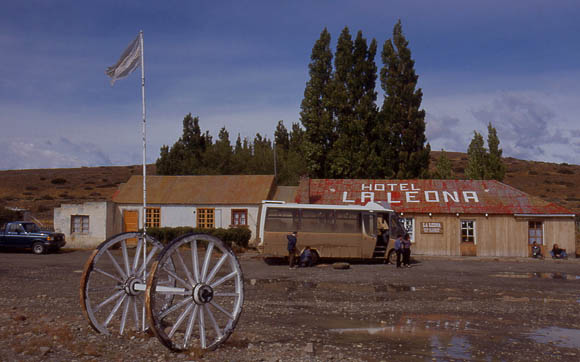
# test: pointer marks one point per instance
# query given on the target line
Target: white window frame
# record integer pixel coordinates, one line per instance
(543, 231)
(473, 222)
(81, 224)
(406, 221)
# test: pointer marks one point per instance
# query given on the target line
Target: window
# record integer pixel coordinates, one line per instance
(79, 224)
(153, 217)
(535, 232)
(317, 221)
(282, 220)
(409, 225)
(239, 217)
(468, 231)
(205, 218)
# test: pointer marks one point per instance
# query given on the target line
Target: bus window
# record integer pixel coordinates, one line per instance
(317, 221)
(369, 222)
(282, 220)
(348, 221)
(396, 226)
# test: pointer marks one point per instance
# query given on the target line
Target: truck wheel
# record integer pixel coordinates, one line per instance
(315, 258)
(392, 257)
(38, 248)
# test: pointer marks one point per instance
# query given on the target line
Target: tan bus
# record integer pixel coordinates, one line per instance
(331, 231)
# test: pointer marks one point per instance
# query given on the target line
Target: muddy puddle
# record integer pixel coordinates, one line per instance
(537, 275)
(445, 336)
(561, 337)
(291, 285)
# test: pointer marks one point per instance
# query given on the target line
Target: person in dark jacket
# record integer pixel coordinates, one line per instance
(558, 253)
(306, 259)
(399, 249)
(406, 246)
(292, 240)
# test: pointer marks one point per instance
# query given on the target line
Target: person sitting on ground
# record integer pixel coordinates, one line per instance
(536, 251)
(306, 259)
(558, 253)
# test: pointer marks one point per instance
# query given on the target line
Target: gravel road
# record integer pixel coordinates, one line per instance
(481, 309)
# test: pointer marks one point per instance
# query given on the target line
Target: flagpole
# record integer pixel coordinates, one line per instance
(144, 132)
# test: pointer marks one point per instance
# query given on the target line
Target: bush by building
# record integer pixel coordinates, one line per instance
(238, 236)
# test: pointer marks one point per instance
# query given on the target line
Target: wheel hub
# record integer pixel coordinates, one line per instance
(129, 285)
(202, 294)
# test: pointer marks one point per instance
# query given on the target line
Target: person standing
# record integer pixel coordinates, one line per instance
(398, 249)
(292, 240)
(406, 246)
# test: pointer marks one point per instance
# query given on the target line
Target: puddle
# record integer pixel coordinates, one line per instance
(456, 348)
(564, 276)
(561, 337)
(447, 336)
(291, 286)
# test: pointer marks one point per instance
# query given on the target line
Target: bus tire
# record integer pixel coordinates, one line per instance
(392, 257)
(315, 257)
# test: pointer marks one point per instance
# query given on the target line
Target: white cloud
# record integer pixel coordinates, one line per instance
(38, 153)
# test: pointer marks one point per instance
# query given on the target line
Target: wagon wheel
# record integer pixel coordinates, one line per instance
(209, 293)
(112, 286)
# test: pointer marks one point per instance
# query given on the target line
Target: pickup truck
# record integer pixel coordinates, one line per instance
(25, 234)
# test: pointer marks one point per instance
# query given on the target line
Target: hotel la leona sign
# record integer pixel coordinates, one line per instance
(397, 193)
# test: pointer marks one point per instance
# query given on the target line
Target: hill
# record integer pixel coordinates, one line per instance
(41, 190)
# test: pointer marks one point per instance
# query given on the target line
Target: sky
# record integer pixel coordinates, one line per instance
(243, 65)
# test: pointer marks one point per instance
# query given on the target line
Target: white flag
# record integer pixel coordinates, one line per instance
(129, 61)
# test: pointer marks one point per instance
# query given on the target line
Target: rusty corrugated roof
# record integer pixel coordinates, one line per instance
(285, 193)
(424, 196)
(235, 189)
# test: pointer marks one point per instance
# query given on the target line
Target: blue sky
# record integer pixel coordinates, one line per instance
(244, 65)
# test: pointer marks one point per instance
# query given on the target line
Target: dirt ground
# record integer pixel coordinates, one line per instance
(439, 309)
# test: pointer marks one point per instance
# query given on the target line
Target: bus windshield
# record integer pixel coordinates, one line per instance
(397, 227)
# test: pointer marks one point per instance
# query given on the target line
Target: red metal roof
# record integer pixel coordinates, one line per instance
(424, 196)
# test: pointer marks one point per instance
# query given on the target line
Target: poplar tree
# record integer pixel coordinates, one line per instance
(402, 149)
(477, 158)
(316, 109)
(443, 170)
(495, 166)
(341, 155)
(354, 99)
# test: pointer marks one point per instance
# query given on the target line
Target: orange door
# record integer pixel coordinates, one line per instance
(131, 223)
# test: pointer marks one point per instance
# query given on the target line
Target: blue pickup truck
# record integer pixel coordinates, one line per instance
(25, 234)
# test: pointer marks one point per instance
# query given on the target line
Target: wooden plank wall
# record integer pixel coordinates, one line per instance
(560, 231)
(496, 235)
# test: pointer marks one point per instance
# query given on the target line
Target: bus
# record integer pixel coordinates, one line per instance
(331, 231)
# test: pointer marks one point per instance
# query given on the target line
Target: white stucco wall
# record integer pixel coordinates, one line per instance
(101, 219)
(186, 215)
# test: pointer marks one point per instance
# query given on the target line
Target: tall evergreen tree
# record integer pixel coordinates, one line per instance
(354, 99)
(316, 109)
(401, 118)
(220, 156)
(443, 170)
(495, 166)
(477, 156)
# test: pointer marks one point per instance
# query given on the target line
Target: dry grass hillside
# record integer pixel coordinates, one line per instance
(40, 191)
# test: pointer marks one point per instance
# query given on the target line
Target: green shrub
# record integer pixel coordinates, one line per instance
(58, 181)
(565, 171)
(237, 236)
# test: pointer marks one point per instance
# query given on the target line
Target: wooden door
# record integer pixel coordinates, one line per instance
(131, 223)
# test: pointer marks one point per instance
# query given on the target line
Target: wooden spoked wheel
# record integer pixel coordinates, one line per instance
(112, 286)
(207, 297)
